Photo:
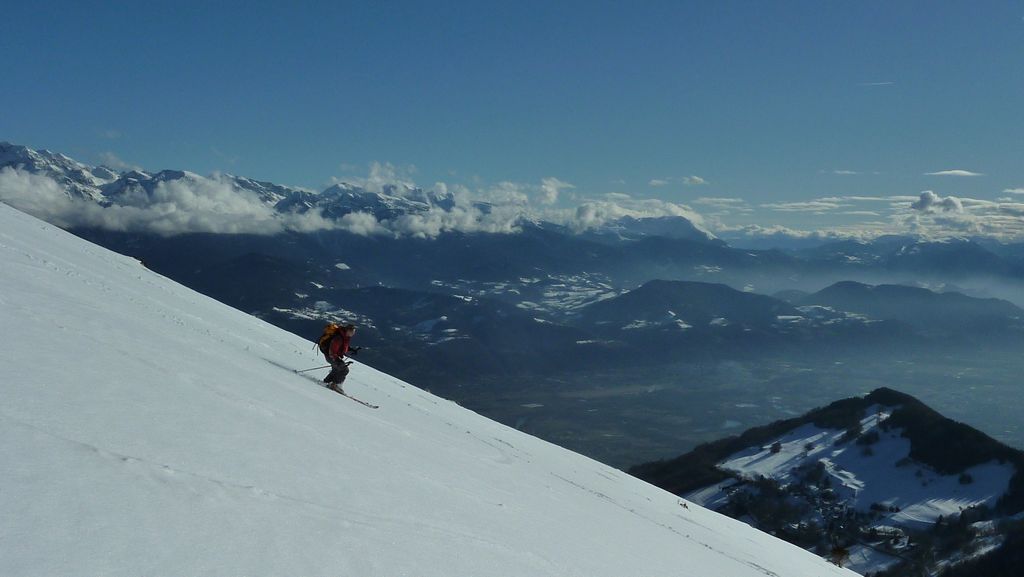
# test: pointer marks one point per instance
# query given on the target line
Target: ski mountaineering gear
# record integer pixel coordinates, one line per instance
(324, 342)
(334, 344)
(313, 369)
(360, 401)
(341, 392)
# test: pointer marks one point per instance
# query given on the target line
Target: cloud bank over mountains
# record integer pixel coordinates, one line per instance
(928, 215)
(385, 202)
(174, 207)
(388, 202)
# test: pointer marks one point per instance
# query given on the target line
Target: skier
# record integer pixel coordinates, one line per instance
(334, 343)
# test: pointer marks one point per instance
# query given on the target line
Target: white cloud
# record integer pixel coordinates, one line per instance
(778, 233)
(954, 172)
(34, 194)
(1014, 190)
(927, 214)
(617, 196)
(1013, 208)
(720, 202)
(594, 213)
(550, 187)
(931, 202)
(190, 205)
(691, 180)
(939, 217)
(214, 204)
(505, 192)
(381, 176)
(817, 206)
(868, 198)
(845, 172)
(724, 206)
(113, 161)
(432, 223)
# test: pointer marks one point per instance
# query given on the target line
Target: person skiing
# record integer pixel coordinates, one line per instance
(334, 344)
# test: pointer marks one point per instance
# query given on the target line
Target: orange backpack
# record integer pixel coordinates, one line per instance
(324, 342)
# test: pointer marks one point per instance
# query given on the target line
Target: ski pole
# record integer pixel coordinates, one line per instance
(313, 369)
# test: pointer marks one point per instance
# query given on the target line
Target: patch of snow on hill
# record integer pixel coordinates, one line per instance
(149, 430)
(877, 474)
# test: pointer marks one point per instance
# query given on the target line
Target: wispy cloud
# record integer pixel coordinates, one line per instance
(381, 175)
(691, 180)
(928, 214)
(720, 202)
(550, 187)
(817, 206)
(113, 161)
(724, 206)
(230, 159)
(867, 198)
(880, 83)
(954, 172)
(1014, 190)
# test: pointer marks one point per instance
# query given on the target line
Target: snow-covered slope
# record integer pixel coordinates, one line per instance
(898, 486)
(866, 475)
(148, 430)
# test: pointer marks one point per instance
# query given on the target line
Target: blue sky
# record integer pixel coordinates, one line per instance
(804, 115)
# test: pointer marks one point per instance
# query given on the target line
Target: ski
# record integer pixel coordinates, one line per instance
(360, 401)
(342, 393)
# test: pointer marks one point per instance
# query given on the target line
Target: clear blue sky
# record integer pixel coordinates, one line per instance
(768, 103)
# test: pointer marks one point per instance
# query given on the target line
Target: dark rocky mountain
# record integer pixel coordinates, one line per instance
(952, 258)
(922, 308)
(392, 202)
(681, 305)
(882, 478)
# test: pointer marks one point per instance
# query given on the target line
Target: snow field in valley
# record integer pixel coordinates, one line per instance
(148, 430)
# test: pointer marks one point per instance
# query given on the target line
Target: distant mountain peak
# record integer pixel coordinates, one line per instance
(671, 226)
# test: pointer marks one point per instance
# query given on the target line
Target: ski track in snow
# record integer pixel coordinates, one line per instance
(170, 436)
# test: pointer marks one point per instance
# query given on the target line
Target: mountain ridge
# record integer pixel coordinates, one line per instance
(843, 470)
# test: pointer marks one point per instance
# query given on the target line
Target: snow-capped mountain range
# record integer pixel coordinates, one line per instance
(149, 430)
(386, 202)
(139, 188)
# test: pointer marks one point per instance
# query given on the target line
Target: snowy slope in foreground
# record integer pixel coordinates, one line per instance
(148, 430)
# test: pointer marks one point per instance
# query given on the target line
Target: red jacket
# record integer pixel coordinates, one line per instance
(339, 345)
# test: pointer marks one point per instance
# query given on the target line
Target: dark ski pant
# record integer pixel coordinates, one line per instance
(339, 370)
